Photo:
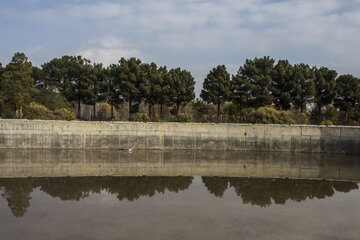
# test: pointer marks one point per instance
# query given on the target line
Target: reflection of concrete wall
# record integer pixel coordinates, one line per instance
(124, 135)
(57, 163)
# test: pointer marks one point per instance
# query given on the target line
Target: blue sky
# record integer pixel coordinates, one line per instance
(193, 34)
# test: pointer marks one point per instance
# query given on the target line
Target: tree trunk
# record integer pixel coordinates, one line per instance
(130, 110)
(79, 108)
(94, 115)
(149, 110)
(161, 110)
(20, 112)
(346, 116)
(112, 111)
(319, 114)
(218, 112)
(177, 109)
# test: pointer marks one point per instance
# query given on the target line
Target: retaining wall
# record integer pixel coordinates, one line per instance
(167, 136)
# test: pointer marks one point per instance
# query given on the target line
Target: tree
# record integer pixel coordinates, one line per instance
(251, 86)
(45, 94)
(348, 94)
(17, 83)
(1, 97)
(113, 86)
(164, 83)
(151, 85)
(1, 72)
(283, 84)
(181, 88)
(325, 89)
(216, 87)
(304, 88)
(73, 76)
(130, 80)
(98, 86)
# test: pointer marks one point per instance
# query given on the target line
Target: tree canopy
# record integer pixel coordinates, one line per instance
(348, 96)
(252, 83)
(283, 83)
(17, 84)
(181, 88)
(216, 87)
(325, 88)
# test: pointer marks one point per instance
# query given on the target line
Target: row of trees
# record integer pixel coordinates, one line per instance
(77, 80)
(128, 81)
(261, 82)
(258, 83)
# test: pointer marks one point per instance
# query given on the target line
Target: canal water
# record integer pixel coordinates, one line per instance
(178, 195)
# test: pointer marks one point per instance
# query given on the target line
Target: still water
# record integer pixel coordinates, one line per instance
(178, 195)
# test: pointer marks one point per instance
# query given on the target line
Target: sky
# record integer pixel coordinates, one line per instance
(196, 35)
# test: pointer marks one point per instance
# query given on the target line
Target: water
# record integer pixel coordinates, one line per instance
(185, 195)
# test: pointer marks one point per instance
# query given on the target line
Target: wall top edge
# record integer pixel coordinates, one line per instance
(170, 123)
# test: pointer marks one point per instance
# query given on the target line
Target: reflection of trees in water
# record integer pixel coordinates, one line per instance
(134, 187)
(262, 192)
(17, 191)
(216, 185)
(129, 188)
(17, 194)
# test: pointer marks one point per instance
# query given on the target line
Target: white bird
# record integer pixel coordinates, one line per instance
(131, 148)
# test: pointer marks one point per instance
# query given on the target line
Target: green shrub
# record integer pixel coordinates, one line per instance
(104, 111)
(326, 123)
(156, 117)
(37, 111)
(200, 110)
(267, 115)
(183, 117)
(232, 113)
(331, 114)
(142, 117)
(64, 114)
(51, 99)
(299, 117)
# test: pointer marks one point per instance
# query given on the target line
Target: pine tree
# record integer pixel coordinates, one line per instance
(325, 89)
(130, 80)
(151, 85)
(17, 83)
(73, 76)
(164, 83)
(304, 89)
(348, 95)
(113, 87)
(98, 86)
(282, 84)
(1, 94)
(181, 88)
(216, 87)
(251, 86)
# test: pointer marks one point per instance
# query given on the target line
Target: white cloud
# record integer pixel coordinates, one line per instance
(99, 11)
(196, 33)
(107, 50)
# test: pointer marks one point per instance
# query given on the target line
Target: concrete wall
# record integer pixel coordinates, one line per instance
(125, 135)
